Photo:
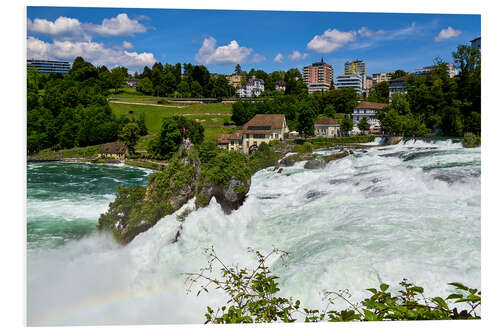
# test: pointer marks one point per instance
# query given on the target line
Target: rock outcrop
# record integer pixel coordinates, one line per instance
(392, 140)
(136, 209)
(229, 197)
(315, 163)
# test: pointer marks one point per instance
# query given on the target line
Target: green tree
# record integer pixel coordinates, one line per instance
(167, 141)
(82, 70)
(207, 151)
(306, 120)
(130, 134)
(379, 93)
(363, 124)
(400, 103)
(169, 83)
(145, 86)
(346, 125)
(117, 78)
(184, 89)
(196, 89)
(329, 111)
(237, 69)
(398, 73)
(392, 122)
(141, 122)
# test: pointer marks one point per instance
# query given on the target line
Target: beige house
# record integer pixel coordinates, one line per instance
(230, 141)
(234, 80)
(113, 150)
(261, 128)
(327, 127)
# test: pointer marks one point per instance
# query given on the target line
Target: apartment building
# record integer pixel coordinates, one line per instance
(476, 43)
(381, 77)
(318, 76)
(351, 81)
(398, 86)
(355, 67)
(452, 70)
(50, 66)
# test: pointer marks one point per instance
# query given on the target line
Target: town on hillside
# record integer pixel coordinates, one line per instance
(241, 110)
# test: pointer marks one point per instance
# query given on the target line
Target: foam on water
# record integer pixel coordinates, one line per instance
(370, 218)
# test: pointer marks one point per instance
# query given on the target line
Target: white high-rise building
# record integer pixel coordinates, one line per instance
(355, 81)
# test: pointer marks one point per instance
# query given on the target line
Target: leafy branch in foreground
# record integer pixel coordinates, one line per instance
(253, 298)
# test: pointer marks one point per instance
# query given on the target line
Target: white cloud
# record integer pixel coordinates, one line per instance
(331, 40)
(278, 58)
(62, 28)
(365, 32)
(232, 53)
(446, 34)
(37, 49)
(296, 55)
(94, 52)
(258, 58)
(121, 25)
(72, 29)
(127, 45)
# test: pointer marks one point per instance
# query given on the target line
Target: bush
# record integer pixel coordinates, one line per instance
(308, 147)
(252, 298)
(471, 140)
(162, 101)
(225, 165)
(207, 151)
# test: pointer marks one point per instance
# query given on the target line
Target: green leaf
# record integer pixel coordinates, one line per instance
(370, 316)
(440, 302)
(452, 296)
(373, 290)
(418, 289)
(384, 287)
(458, 285)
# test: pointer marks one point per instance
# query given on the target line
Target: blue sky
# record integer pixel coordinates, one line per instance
(268, 40)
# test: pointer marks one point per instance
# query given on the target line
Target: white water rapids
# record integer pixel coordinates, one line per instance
(405, 211)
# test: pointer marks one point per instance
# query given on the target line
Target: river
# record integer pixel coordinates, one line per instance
(411, 210)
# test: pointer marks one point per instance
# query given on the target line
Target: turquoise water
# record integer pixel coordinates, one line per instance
(65, 199)
(411, 210)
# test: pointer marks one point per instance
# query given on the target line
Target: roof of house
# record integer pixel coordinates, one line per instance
(264, 123)
(371, 105)
(326, 121)
(113, 148)
(224, 138)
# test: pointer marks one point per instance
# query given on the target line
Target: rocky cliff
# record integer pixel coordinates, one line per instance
(136, 209)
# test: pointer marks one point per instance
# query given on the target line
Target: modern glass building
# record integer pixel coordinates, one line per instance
(50, 66)
(351, 81)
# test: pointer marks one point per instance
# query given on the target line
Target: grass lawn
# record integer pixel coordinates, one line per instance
(210, 116)
(126, 92)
